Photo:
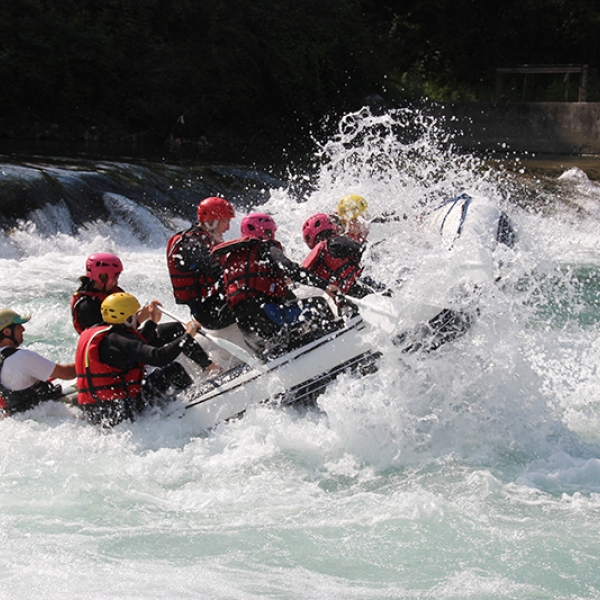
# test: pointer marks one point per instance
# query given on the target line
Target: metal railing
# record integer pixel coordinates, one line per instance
(538, 69)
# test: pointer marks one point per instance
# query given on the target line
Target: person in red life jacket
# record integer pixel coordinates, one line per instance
(100, 281)
(111, 360)
(102, 271)
(257, 278)
(24, 374)
(335, 258)
(195, 275)
(351, 217)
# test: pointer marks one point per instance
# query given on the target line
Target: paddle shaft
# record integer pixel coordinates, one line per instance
(230, 347)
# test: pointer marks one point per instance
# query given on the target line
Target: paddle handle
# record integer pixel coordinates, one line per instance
(179, 320)
(165, 312)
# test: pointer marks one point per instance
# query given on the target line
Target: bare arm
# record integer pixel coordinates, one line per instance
(64, 371)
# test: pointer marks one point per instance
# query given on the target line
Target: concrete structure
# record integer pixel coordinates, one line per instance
(540, 127)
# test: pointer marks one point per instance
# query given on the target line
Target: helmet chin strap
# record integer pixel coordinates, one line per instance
(104, 279)
(210, 225)
(131, 322)
(10, 337)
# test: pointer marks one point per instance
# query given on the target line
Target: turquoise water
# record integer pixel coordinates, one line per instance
(473, 472)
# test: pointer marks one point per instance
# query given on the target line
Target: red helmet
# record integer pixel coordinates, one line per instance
(102, 263)
(258, 225)
(315, 225)
(215, 209)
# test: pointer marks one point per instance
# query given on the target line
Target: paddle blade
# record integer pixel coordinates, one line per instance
(379, 311)
(236, 351)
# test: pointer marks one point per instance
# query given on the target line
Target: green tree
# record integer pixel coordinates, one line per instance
(142, 63)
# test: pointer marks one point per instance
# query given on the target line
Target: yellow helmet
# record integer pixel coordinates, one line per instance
(117, 308)
(351, 207)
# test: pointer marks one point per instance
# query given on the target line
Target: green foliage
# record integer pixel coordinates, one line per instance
(143, 63)
(270, 67)
(452, 48)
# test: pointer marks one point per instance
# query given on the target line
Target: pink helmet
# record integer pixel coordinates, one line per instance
(315, 225)
(215, 209)
(102, 263)
(258, 225)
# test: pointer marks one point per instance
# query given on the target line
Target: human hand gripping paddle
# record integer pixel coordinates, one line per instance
(230, 347)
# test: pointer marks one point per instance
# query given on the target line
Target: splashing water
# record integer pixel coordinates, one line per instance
(470, 472)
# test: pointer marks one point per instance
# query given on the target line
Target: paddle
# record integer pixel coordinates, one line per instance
(230, 347)
(383, 312)
(390, 313)
(383, 315)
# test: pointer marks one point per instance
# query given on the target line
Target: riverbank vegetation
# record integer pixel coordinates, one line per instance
(241, 69)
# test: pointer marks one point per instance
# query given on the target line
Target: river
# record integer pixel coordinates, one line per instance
(472, 472)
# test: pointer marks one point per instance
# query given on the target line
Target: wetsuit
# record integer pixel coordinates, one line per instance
(197, 278)
(118, 355)
(256, 274)
(336, 260)
(86, 303)
(86, 310)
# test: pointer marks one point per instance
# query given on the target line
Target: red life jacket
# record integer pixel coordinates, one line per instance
(189, 285)
(79, 294)
(342, 272)
(97, 381)
(245, 275)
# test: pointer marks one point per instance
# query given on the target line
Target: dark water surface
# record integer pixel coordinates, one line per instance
(269, 157)
(185, 154)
